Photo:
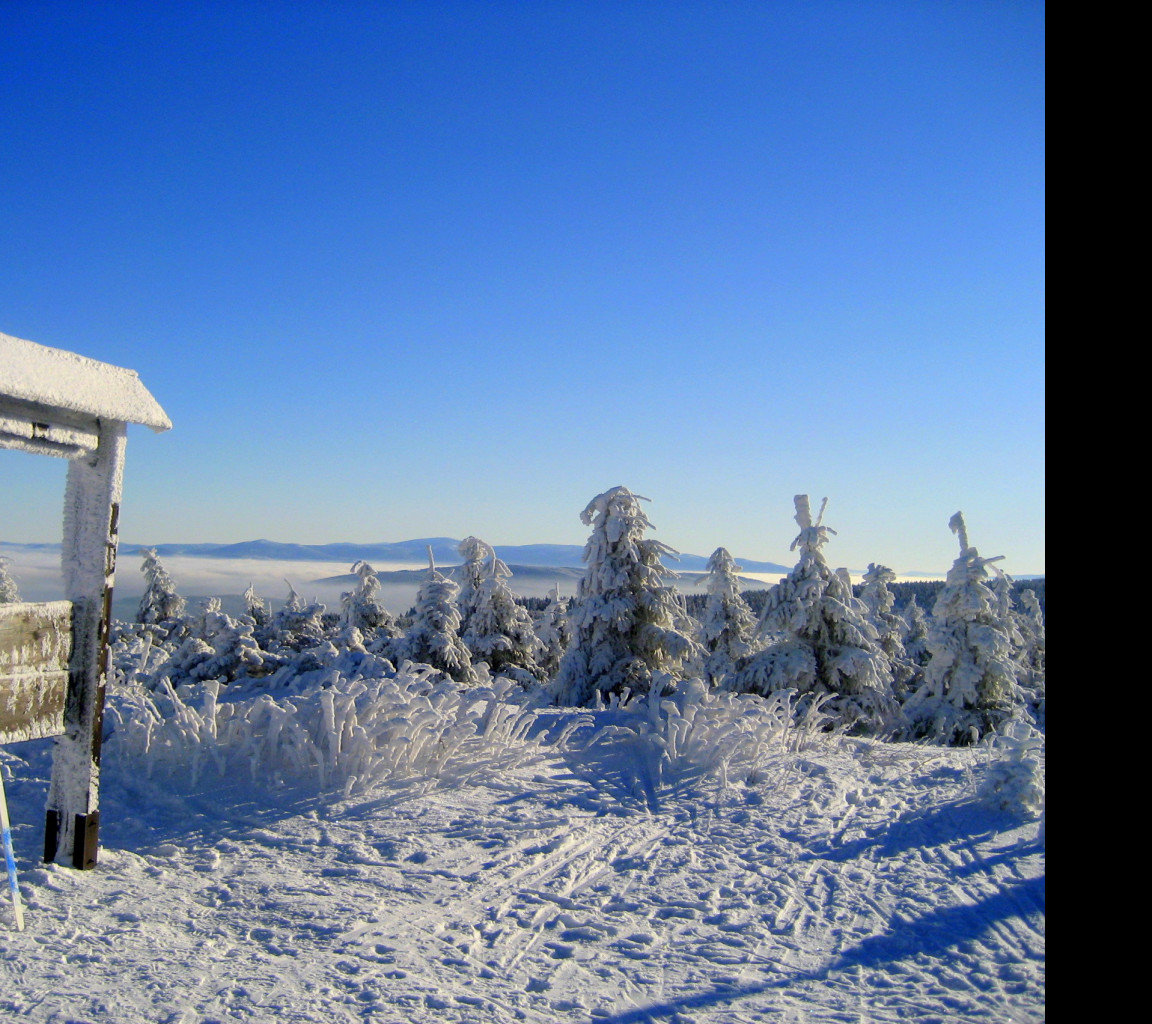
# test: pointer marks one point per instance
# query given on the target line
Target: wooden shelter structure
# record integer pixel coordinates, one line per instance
(53, 657)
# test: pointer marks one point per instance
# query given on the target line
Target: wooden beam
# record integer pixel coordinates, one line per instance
(88, 556)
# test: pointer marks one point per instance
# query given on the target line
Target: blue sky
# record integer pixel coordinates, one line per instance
(422, 269)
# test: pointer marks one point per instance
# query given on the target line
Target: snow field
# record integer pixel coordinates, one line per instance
(693, 859)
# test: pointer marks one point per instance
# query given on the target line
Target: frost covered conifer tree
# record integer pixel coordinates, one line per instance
(297, 624)
(555, 633)
(890, 627)
(433, 638)
(626, 623)
(727, 626)
(970, 685)
(361, 609)
(256, 607)
(499, 629)
(819, 640)
(471, 573)
(9, 592)
(1030, 625)
(219, 647)
(915, 637)
(159, 603)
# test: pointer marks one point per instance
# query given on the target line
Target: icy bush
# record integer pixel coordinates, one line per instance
(343, 730)
(695, 738)
(1014, 777)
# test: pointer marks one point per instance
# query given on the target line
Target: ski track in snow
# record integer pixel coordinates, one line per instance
(856, 883)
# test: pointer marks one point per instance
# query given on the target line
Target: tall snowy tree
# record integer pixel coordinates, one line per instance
(727, 625)
(256, 607)
(970, 685)
(915, 635)
(433, 638)
(499, 629)
(471, 572)
(9, 592)
(890, 627)
(362, 610)
(1030, 626)
(297, 624)
(819, 640)
(159, 602)
(555, 633)
(627, 624)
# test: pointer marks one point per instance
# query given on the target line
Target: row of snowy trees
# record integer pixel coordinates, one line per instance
(954, 674)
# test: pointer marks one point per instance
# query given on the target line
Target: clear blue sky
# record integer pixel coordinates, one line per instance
(412, 269)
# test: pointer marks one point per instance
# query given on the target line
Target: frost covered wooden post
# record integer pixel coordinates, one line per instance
(58, 403)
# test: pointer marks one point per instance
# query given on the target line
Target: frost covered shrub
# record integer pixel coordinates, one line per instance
(818, 639)
(695, 738)
(627, 624)
(359, 724)
(1014, 776)
(970, 685)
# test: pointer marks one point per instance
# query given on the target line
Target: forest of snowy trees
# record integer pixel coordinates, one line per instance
(962, 668)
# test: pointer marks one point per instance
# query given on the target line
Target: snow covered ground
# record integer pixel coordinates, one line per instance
(539, 876)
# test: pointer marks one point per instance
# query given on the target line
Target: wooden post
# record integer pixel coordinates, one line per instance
(88, 555)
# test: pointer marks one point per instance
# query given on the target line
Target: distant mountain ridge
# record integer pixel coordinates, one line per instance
(444, 550)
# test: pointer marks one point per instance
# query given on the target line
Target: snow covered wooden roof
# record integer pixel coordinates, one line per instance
(52, 400)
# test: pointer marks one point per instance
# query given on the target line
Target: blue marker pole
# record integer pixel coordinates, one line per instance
(17, 906)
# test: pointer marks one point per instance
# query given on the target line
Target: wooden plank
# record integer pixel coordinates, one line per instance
(35, 648)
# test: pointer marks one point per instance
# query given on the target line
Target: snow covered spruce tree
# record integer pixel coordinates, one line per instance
(9, 592)
(159, 603)
(970, 685)
(915, 636)
(890, 628)
(433, 638)
(819, 640)
(555, 633)
(497, 629)
(1030, 625)
(727, 626)
(470, 573)
(256, 607)
(627, 625)
(297, 625)
(217, 647)
(360, 608)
